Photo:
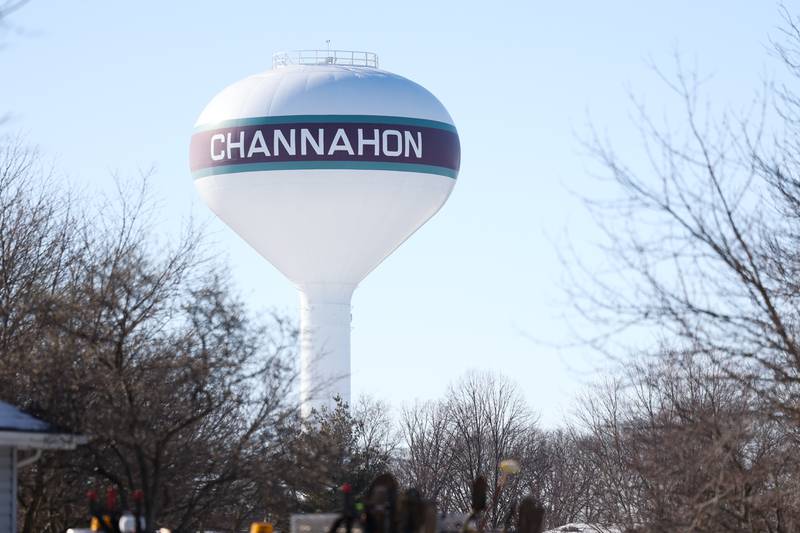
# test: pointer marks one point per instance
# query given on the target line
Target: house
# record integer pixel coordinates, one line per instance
(20, 431)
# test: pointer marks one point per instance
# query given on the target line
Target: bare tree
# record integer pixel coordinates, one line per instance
(428, 457)
(481, 421)
(9, 6)
(562, 474)
(144, 349)
(331, 448)
(686, 449)
(489, 422)
(703, 241)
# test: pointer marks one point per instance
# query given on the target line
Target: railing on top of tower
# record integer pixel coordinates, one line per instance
(350, 58)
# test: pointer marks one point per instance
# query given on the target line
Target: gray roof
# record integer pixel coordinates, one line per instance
(12, 419)
(23, 431)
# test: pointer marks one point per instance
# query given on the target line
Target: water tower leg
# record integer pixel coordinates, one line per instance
(324, 344)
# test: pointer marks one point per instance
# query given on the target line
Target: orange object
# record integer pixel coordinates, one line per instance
(260, 527)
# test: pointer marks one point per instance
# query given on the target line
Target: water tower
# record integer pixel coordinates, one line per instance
(324, 164)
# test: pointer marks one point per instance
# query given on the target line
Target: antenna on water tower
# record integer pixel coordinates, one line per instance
(325, 167)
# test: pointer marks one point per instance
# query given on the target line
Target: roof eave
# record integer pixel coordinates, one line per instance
(41, 441)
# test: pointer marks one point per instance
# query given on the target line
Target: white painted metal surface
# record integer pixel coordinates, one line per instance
(323, 90)
(325, 170)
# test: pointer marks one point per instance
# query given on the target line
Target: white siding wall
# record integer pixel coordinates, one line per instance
(8, 490)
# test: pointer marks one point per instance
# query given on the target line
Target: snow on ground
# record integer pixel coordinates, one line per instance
(583, 528)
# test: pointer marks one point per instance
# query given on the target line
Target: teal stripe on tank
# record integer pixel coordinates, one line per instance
(305, 165)
(346, 119)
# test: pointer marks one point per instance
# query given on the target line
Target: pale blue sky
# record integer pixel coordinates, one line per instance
(104, 87)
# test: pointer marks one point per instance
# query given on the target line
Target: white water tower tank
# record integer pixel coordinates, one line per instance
(325, 164)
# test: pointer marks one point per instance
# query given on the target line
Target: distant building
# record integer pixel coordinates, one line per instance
(20, 431)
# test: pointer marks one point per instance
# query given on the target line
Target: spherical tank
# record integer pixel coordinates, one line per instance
(325, 164)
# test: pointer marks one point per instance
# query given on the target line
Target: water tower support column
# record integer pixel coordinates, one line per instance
(324, 344)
